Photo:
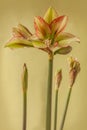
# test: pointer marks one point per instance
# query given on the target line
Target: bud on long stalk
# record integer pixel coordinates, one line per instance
(25, 78)
(58, 79)
(25, 85)
(74, 70)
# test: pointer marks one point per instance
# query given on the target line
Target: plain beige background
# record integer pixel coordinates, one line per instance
(13, 12)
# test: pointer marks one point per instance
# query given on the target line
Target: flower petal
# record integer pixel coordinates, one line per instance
(63, 50)
(21, 31)
(50, 15)
(59, 24)
(64, 39)
(18, 43)
(24, 29)
(41, 27)
(39, 44)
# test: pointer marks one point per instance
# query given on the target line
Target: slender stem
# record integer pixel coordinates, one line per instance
(24, 110)
(66, 108)
(49, 95)
(56, 109)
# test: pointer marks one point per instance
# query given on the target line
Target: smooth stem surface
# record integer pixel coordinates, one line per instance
(49, 96)
(55, 110)
(66, 108)
(24, 110)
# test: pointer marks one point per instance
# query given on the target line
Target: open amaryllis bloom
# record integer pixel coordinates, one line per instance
(49, 34)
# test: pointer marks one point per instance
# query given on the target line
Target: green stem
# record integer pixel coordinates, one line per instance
(49, 95)
(56, 109)
(66, 108)
(24, 110)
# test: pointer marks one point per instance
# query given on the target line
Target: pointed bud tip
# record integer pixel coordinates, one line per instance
(58, 71)
(24, 64)
(58, 79)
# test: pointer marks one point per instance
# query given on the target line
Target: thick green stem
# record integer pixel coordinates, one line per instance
(55, 110)
(24, 110)
(49, 95)
(66, 108)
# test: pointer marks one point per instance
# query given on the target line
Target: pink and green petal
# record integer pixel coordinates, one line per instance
(58, 24)
(16, 32)
(24, 30)
(50, 15)
(38, 44)
(64, 39)
(41, 27)
(19, 43)
(63, 50)
(21, 31)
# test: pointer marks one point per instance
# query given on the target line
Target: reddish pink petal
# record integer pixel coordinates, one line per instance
(59, 24)
(41, 27)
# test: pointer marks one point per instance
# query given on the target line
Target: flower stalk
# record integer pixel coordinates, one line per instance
(24, 110)
(56, 109)
(49, 94)
(66, 108)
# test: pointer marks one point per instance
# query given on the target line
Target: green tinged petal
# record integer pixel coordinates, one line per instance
(21, 31)
(50, 15)
(59, 24)
(24, 30)
(38, 44)
(64, 39)
(19, 43)
(41, 27)
(63, 50)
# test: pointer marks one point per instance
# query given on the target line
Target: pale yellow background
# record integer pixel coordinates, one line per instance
(13, 12)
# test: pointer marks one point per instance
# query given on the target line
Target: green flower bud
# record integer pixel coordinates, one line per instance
(25, 78)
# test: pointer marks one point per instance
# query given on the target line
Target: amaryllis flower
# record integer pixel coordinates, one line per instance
(49, 34)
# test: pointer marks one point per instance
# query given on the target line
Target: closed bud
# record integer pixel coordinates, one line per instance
(58, 79)
(25, 78)
(74, 70)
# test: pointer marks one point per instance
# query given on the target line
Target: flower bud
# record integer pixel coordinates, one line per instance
(58, 79)
(25, 78)
(74, 70)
